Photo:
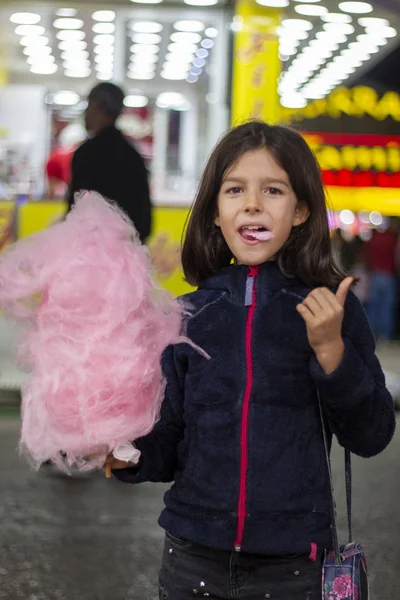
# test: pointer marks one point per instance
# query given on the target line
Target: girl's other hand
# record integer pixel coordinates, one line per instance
(114, 463)
(323, 314)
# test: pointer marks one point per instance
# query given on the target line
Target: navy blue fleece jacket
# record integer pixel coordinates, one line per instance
(240, 434)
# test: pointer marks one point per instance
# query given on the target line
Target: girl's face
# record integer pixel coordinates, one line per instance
(257, 208)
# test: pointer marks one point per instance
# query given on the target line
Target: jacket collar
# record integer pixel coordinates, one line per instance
(232, 280)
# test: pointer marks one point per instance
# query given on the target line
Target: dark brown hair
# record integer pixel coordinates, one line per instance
(308, 253)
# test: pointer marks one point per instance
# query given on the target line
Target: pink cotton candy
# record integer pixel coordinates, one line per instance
(95, 327)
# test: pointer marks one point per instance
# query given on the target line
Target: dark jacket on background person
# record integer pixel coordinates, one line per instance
(241, 434)
(110, 165)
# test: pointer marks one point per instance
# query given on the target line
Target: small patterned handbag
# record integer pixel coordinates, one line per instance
(344, 569)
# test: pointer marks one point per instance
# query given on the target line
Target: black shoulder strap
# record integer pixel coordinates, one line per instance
(336, 546)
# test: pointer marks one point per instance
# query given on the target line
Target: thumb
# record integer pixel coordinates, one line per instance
(343, 290)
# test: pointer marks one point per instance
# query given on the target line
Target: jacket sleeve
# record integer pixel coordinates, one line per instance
(82, 175)
(139, 207)
(159, 448)
(357, 404)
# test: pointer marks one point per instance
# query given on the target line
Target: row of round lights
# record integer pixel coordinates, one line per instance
(165, 100)
(189, 2)
(35, 44)
(104, 43)
(145, 37)
(184, 59)
(314, 9)
(71, 43)
(307, 78)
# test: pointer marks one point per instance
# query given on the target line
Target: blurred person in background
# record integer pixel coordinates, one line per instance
(108, 163)
(381, 261)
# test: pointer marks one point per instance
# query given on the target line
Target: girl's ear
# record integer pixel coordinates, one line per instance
(301, 214)
(217, 222)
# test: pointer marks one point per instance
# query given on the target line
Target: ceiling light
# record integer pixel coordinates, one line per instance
(184, 48)
(66, 12)
(343, 28)
(373, 22)
(273, 3)
(23, 18)
(103, 15)
(37, 50)
(34, 40)
(142, 68)
(77, 73)
(65, 98)
(172, 75)
(71, 35)
(185, 37)
(144, 49)
(103, 28)
(367, 40)
(68, 23)
(207, 44)
(29, 30)
(189, 26)
(191, 79)
(176, 58)
(196, 71)
(199, 62)
(75, 54)
(202, 53)
(201, 2)
(45, 69)
(336, 18)
(140, 75)
(172, 100)
(40, 59)
(297, 24)
(211, 32)
(387, 32)
(71, 45)
(310, 10)
(358, 8)
(146, 38)
(288, 35)
(104, 76)
(149, 59)
(146, 27)
(104, 39)
(293, 101)
(147, 1)
(136, 101)
(287, 51)
(104, 50)
(313, 95)
(76, 65)
(104, 59)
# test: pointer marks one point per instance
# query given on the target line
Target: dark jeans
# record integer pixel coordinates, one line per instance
(190, 571)
(381, 309)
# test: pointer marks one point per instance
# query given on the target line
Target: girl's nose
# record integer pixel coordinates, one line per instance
(253, 204)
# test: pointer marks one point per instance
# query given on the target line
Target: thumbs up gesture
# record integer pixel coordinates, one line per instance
(323, 314)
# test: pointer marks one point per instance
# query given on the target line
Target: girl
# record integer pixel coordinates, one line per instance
(240, 435)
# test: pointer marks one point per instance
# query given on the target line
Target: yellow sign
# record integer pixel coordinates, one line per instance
(256, 64)
(357, 102)
(168, 224)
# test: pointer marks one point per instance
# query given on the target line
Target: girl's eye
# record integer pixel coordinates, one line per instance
(234, 190)
(273, 191)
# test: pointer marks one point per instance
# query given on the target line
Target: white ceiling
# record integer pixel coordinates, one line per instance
(167, 13)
